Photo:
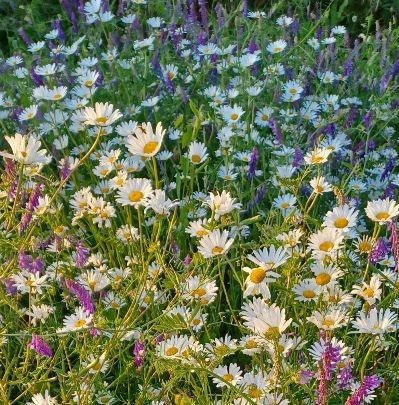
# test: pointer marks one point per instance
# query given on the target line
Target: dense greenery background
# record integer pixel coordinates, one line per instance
(357, 15)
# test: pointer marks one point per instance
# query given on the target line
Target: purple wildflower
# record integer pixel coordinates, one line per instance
(138, 353)
(40, 346)
(11, 289)
(367, 120)
(345, 377)
(394, 241)
(368, 385)
(252, 164)
(187, 260)
(298, 156)
(81, 254)
(388, 168)
(24, 36)
(260, 193)
(278, 137)
(82, 294)
(379, 251)
(32, 204)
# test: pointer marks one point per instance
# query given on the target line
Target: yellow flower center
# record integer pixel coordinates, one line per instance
(56, 96)
(149, 147)
(364, 246)
(284, 205)
(341, 222)
(196, 322)
(234, 117)
(24, 154)
(277, 49)
(382, 216)
(29, 283)
(79, 323)
(227, 177)
(326, 246)
(292, 91)
(202, 232)
(101, 120)
(309, 294)
(254, 392)
(323, 279)
(196, 158)
(327, 323)
(264, 117)
(199, 292)
(135, 196)
(120, 182)
(228, 377)
(217, 250)
(88, 83)
(317, 159)
(97, 366)
(257, 275)
(369, 292)
(319, 189)
(104, 172)
(251, 344)
(272, 331)
(171, 351)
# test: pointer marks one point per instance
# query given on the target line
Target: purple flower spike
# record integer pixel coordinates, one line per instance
(40, 346)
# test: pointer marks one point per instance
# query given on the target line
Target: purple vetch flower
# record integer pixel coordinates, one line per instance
(11, 288)
(138, 353)
(81, 254)
(32, 204)
(345, 377)
(24, 261)
(35, 77)
(40, 346)
(24, 36)
(187, 260)
(220, 16)
(389, 191)
(38, 265)
(388, 168)
(160, 338)
(260, 193)
(204, 14)
(367, 120)
(379, 251)
(351, 117)
(298, 157)
(368, 385)
(252, 164)
(394, 241)
(278, 137)
(245, 8)
(305, 376)
(175, 249)
(348, 67)
(82, 294)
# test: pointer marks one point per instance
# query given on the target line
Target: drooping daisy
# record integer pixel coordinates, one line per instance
(135, 192)
(382, 211)
(25, 150)
(376, 322)
(269, 258)
(317, 156)
(215, 243)
(230, 374)
(320, 185)
(221, 203)
(102, 115)
(264, 320)
(40, 399)
(370, 292)
(197, 229)
(145, 142)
